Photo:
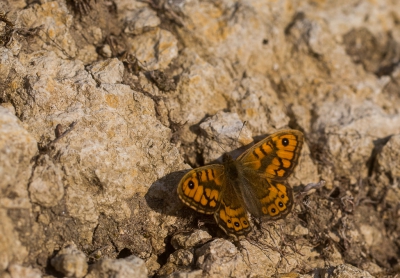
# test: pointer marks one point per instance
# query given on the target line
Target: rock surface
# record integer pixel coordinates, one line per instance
(130, 266)
(104, 106)
(70, 261)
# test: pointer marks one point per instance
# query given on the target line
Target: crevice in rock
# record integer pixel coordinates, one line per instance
(124, 253)
(169, 249)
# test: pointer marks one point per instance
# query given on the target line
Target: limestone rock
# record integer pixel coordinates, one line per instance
(181, 257)
(17, 148)
(347, 271)
(140, 21)
(221, 257)
(221, 133)
(131, 266)
(17, 271)
(387, 160)
(70, 261)
(108, 71)
(187, 240)
(46, 187)
(154, 49)
(11, 248)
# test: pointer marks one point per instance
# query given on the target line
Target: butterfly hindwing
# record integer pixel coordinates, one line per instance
(274, 157)
(265, 198)
(232, 216)
(201, 188)
(278, 201)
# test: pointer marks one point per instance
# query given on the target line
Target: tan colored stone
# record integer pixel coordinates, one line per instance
(220, 257)
(108, 71)
(154, 49)
(131, 266)
(140, 21)
(223, 132)
(17, 148)
(187, 240)
(181, 257)
(46, 187)
(11, 249)
(349, 271)
(70, 261)
(17, 271)
(54, 21)
(201, 91)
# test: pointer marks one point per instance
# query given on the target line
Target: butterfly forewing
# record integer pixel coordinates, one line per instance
(276, 156)
(201, 188)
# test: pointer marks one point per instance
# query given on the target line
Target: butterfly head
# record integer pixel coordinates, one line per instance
(226, 158)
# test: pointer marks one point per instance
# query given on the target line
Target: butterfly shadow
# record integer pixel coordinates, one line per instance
(162, 195)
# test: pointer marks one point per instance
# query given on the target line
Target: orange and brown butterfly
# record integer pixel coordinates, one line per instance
(254, 183)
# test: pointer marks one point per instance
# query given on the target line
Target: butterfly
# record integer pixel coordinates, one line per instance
(254, 183)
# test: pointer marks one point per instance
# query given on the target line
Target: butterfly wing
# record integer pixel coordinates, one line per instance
(266, 198)
(274, 157)
(231, 215)
(264, 168)
(201, 188)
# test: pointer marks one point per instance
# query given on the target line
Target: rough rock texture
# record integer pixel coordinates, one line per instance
(105, 105)
(127, 267)
(17, 148)
(70, 261)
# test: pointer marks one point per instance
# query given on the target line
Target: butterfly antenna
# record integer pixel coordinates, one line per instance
(218, 142)
(237, 139)
(240, 132)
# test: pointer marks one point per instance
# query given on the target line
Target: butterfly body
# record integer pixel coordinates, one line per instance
(253, 183)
